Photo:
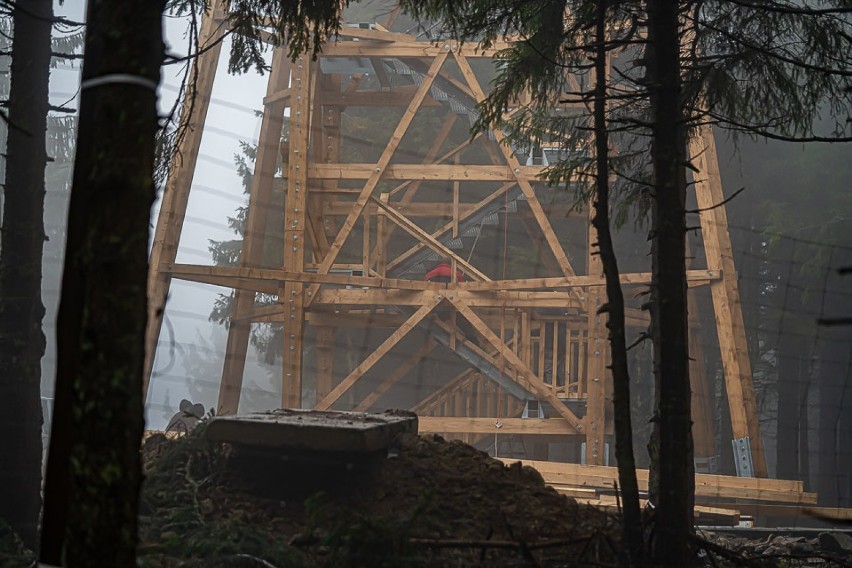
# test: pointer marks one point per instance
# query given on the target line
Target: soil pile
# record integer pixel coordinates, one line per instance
(430, 502)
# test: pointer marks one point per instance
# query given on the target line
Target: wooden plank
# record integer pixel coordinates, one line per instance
(423, 172)
(276, 276)
(726, 299)
(520, 176)
(379, 297)
(702, 403)
(359, 371)
(461, 380)
(259, 198)
(265, 279)
(413, 187)
(715, 516)
(378, 168)
(542, 390)
(430, 241)
(448, 226)
(476, 425)
(303, 84)
(374, 35)
(430, 209)
(791, 512)
(706, 485)
(195, 105)
(596, 357)
(413, 360)
(325, 360)
(420, 49)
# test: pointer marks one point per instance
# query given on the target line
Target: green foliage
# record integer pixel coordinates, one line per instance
(305, 24)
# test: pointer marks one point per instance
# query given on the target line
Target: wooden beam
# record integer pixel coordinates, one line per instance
(195, 105)
(706, 485)
(325, 360)
(378, 171)
(598, 377)
(380, 297)
(726, 298)
(437, 234)
(423, 172)
(267, 279)
(259, 198)
(292, 296)
(413, 360)
(380, 352)
(413, 187)
(430, 241)
(421, 49)
(475, 425)
(518, 173)
(534, 383)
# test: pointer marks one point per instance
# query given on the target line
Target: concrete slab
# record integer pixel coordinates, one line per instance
(308, 431)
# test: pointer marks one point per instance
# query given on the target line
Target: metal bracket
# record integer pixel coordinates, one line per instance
(533, 410)
(742, 457)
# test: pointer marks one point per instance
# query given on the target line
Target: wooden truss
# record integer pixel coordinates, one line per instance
(541, 342)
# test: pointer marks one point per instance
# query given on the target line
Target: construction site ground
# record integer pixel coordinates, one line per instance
(425, 502)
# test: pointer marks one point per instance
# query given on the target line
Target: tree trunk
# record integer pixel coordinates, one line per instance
(22, 341)
(674, 480)
(93, 478)
(631, 521)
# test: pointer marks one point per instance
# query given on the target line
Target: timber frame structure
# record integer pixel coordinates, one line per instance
(539, 363)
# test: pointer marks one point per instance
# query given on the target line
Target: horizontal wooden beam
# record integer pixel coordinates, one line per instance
(462, 425)
(427, 209)
(706, 485)
(692, 276)
(497, 299)
(422, 172)
(398, 49)
(704, 515)
(399, 97)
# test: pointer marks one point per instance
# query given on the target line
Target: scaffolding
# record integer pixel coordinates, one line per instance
(359, 223)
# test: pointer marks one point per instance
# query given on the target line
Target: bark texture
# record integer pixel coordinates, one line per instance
(22, 341)
(93, 479)
(673, 480)
(631, 521)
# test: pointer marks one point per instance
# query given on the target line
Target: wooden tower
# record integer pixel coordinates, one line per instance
(362, 224)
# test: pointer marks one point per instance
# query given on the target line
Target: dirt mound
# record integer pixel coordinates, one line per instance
(429, 503)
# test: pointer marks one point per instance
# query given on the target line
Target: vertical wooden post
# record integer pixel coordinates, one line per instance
(702, 415)
(294, 230)
(596, 365)
(726, 298)
(181, 171)
(258, 213)
(325, 360)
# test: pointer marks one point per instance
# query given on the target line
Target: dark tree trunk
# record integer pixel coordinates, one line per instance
(22, 341)
(631, 521)
(93, 478)
(673, 479)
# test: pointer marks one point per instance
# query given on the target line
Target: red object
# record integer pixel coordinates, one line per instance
(444, 271)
